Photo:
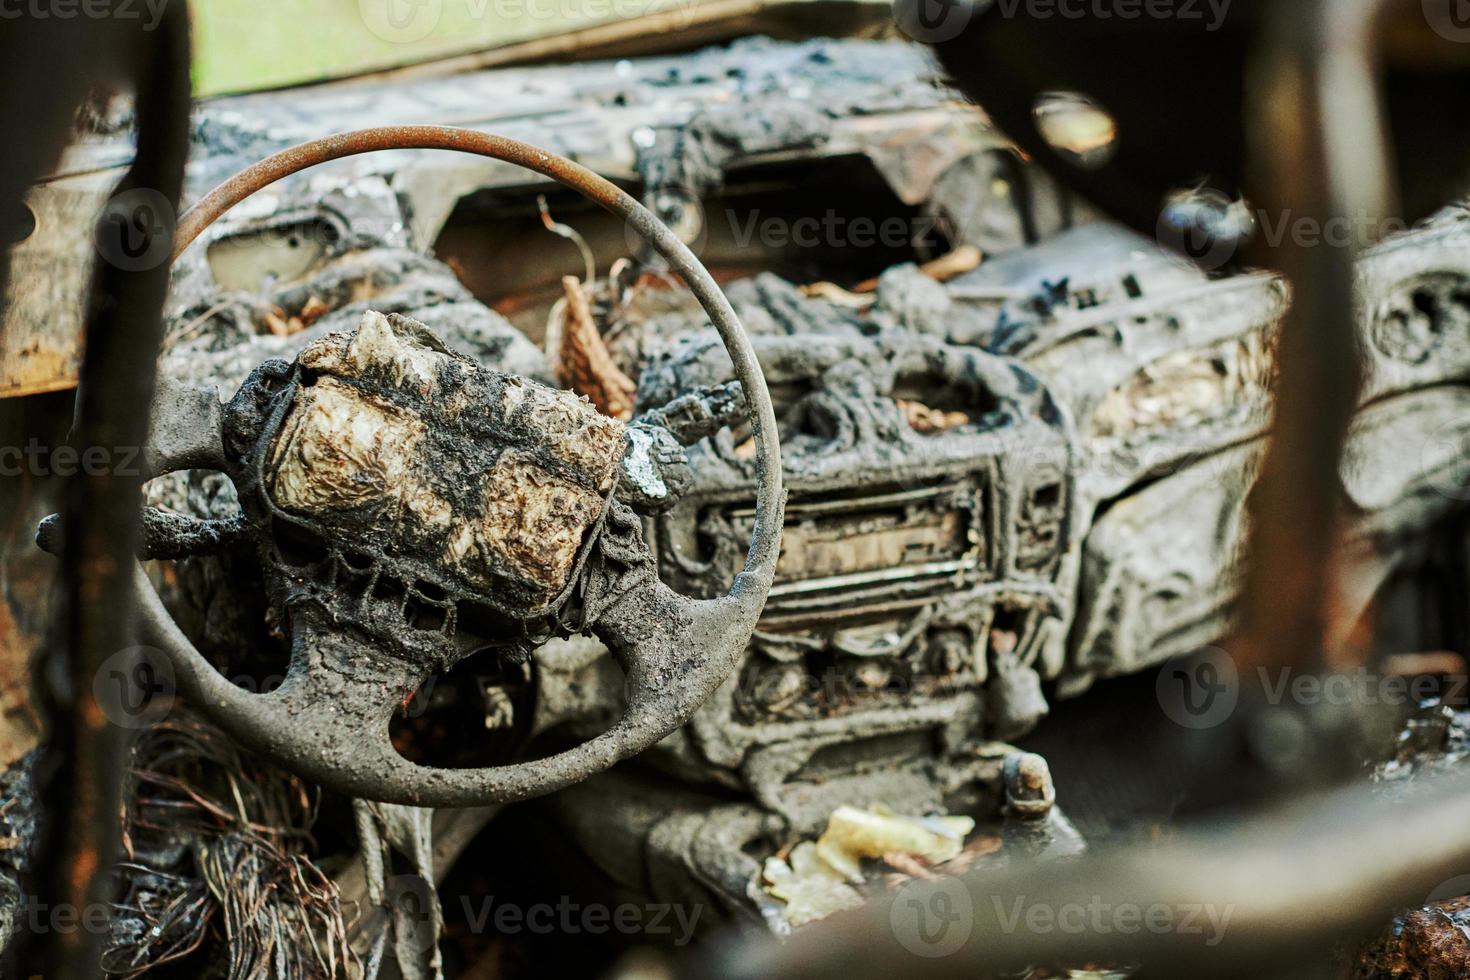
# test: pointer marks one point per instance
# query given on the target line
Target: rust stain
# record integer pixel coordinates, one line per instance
(83, 870)
(19, 725)
(44, 364)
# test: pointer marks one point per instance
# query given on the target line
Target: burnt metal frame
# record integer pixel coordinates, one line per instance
(1361, 854)
(81, 764)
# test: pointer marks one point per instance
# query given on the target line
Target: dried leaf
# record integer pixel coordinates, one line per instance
(584, 363)
(942, 269)
(923, 419)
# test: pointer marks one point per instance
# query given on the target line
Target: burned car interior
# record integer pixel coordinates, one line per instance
(817, 489)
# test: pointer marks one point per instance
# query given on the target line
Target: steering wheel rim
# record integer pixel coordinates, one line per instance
(666, 684)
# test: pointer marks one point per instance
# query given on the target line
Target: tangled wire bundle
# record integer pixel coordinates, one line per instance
(217, 842)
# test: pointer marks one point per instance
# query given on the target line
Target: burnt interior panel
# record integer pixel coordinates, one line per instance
(809, 220)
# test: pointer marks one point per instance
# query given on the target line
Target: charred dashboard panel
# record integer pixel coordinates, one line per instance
(1169, 374)
(923, 550)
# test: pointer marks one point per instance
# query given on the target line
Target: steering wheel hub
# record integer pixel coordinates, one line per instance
(438, 479)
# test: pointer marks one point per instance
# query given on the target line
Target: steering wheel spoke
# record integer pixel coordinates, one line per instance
(331, 714)
(334, 673)
(675, 650)
(184, 429)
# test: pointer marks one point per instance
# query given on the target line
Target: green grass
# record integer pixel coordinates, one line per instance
(241, 45)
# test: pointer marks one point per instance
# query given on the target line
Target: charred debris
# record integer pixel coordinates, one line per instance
(1019, 445)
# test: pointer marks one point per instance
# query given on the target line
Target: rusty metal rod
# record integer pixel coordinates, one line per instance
(80, 769)
(1320, 154)
(1323, 153)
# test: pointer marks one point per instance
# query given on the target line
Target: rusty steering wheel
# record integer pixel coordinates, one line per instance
(329, 719)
